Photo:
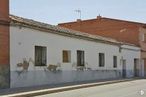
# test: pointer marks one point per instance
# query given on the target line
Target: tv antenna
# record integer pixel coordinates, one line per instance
(79, 12)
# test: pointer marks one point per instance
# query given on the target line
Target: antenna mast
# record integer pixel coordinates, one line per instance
(79, 12)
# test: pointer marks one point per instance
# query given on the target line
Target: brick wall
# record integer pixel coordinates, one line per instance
(4, 44)
(118, 29)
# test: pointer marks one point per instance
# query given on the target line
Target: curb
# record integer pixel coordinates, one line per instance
(66, 88)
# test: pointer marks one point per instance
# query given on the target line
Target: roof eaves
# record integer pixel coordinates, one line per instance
(61, 30)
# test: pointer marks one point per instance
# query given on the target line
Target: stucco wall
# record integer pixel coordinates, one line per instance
(23, 40)
(129, 53)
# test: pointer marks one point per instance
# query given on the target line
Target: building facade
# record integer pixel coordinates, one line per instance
(44, 54)
(121, 30)
(34, 53)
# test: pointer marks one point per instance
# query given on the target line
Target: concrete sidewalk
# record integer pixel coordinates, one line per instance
(47, 89)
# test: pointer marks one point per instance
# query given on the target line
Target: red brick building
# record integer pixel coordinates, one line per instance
(121, 30)
(4, 43)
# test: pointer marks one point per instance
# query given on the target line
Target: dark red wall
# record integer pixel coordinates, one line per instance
(4, 44)
(120, 30)
(4, 32)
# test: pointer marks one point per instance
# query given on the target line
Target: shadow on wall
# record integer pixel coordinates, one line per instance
(4, 76)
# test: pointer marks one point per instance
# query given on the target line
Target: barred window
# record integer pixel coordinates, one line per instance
(40, 56)
(114, 61)
(101, 60)
(80, 58)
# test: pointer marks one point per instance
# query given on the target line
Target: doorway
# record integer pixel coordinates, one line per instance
(136, 67)
(124, 68)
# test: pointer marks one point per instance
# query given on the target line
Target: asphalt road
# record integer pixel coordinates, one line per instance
(136, 88)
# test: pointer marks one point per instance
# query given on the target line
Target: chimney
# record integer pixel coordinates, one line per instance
(4, 44)
(144, 26)
(4, 10)
(99, 17)
(79, 20)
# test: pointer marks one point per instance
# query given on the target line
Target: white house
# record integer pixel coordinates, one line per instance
(44, 54)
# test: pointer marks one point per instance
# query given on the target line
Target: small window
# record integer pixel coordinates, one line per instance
(40, 56)
(114, 61)
(101, 60)
(143, 37)
(66, 56)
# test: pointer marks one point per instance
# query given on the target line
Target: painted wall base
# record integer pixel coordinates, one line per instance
(36, 78)
(4, 76)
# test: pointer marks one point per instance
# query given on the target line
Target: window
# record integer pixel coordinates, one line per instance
(114, 61)
(143, 37)
(80, 58)
(40, 56)
(66, 56)
(101, 59)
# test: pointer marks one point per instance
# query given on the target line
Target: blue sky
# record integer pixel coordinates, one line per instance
(57, 11)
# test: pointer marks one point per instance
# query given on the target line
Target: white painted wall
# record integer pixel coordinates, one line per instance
(129, 53)
(23, 41)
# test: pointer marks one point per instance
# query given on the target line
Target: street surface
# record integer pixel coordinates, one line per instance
(136, 88)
